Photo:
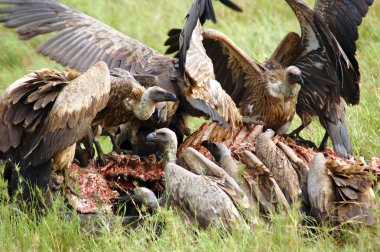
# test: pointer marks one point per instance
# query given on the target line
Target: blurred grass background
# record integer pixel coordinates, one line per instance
(257, 31)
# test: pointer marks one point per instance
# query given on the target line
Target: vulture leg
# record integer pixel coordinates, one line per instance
(295, 135)
(82, 156)
(323, 144)
(115, 146)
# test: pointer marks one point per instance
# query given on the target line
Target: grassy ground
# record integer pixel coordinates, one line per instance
(257, 31)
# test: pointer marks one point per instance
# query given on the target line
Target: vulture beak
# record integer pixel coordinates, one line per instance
(294, 75)
(161, 95)
(160, 113)
(152, 137)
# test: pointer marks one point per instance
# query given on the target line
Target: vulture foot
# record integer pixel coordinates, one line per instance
(300, 140)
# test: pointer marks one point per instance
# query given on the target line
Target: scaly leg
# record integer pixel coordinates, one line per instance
(323, 144)
(295, 135)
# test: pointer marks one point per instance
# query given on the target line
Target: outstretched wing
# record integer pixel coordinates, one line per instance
(234, 69)
(343, 19)
(81, 41)
(200, 10)
(71, 115)
(199, 74)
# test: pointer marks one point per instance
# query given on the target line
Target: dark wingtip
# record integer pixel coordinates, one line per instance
(232, 5)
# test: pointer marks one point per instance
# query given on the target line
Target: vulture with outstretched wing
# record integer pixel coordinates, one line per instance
(81, 41)
(43, 115)
(325, 56)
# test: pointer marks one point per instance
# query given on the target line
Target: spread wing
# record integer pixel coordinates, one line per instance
(343, 19)
(200, 10)
(71, 115)
(199, 73)
(234, 69)
(81, 41)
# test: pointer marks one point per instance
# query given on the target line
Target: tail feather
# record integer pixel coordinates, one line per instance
(340, 139)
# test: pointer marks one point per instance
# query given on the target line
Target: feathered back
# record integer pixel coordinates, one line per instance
(25, 102)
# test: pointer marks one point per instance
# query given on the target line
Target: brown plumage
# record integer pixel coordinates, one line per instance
(280, 166)
(329, 69)
(204, 197)
(41, 119)
(81, 41)
(265, 94)
(340, 193)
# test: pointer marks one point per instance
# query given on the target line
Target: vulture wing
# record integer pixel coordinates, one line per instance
(199, 73)
(200, 10)
(81, 41)
(234, 69)
(71, 115)
(200, 196)
(25, 102)
(343, 19)
(327, 73)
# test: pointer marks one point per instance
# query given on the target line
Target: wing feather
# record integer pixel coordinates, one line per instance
(76, 31)
(71, 115)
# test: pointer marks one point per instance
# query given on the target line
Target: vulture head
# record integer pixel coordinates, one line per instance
(157, 94)
(294, 75)
(287, 85)
(167, 140)
(147, 105)
(217, 150)
(144, 196)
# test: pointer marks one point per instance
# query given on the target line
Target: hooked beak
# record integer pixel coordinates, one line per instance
(160, 113)
(163, 95)
(152, 137)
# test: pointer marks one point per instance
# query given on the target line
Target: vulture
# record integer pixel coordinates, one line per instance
(125, 100)
(203, 193)
(80, 41)
(129, 102)
(41, 121)
(323, 56)
(340, 193)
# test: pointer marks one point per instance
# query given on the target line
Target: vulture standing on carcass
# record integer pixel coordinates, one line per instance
(340, 193)
(42, 116)
(208, 194)
(324, 55)
(81, 41)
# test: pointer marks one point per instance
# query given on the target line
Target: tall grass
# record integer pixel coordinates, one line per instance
(257, 31)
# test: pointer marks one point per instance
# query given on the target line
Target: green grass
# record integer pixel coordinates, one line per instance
(257, 31)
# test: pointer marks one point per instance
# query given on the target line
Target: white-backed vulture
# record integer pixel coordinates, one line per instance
(340, 193)
(43, 115)
(81, 41)
(129, 102)
(203, 197)
(325, 55)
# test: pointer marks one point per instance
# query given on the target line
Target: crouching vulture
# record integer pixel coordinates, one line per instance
(81, 41)
(324, 55)
(42, 116)
(209, 194)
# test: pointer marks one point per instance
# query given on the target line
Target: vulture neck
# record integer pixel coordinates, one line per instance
(145, 108)
(170, 152)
